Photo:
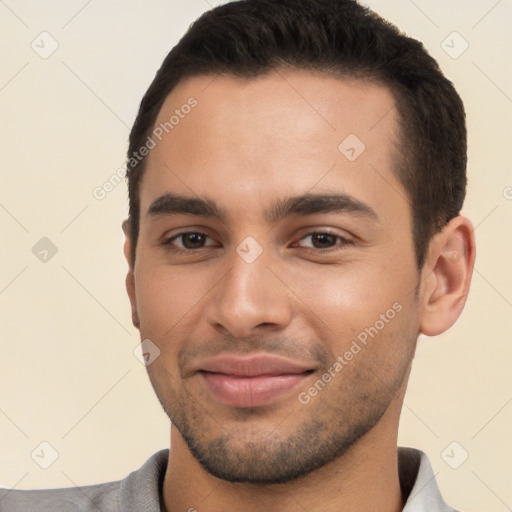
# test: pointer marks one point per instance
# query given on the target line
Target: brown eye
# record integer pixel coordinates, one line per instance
(323, 240)
(193, 240)
(190, 240)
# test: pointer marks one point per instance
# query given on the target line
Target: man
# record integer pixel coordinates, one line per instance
(296, 175)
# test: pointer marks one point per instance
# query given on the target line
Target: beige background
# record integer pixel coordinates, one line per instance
(68, 375)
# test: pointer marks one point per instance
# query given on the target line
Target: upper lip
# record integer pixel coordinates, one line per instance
(253, 366)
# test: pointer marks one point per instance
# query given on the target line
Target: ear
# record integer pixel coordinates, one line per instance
(446, 276)
(130, 276)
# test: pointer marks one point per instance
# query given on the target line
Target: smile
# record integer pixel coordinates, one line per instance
(251, 382)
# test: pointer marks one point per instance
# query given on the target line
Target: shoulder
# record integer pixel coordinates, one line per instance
(138, 491)
(73, 499)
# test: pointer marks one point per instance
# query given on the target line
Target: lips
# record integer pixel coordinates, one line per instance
(251, 381)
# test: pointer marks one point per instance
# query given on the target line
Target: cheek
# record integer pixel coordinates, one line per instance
(343, 302)
(167, 299)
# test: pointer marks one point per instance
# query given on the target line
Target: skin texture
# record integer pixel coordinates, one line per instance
(246, 145)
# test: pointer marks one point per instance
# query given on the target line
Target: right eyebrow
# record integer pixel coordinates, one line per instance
(172, 204)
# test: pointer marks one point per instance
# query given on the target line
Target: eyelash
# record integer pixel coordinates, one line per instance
(344, 241)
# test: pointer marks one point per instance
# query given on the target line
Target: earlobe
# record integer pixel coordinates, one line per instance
(449, 269)
(130, 288)
(130, 276)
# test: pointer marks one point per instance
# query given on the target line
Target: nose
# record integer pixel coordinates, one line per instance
(250, 299)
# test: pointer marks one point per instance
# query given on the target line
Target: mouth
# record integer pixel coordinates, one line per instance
(252, 381)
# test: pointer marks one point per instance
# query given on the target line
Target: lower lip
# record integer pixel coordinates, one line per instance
(250, 391)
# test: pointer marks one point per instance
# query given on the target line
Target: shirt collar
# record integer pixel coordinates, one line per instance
(418, 482)
(141, 490)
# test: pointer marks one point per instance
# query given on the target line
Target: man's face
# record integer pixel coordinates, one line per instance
(302, 256)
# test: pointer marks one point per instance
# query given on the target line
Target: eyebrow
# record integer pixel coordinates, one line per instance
(306, 204)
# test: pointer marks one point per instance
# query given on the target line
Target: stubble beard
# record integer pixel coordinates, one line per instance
(333, 422)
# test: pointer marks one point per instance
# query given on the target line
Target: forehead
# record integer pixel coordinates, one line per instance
(284, 132)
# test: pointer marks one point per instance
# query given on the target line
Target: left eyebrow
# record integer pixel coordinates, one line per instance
(306, 204)
(310, 204)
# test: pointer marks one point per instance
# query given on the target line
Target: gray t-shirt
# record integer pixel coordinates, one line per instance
(141, 490)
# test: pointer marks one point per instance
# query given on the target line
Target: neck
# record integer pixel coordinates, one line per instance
(364, 478)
